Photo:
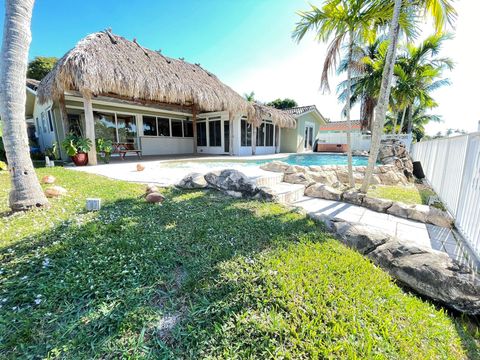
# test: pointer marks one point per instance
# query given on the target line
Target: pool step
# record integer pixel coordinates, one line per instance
(270, 179)
(286, 193)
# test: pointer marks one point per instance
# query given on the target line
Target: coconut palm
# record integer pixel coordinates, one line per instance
(26, 191)
(419, 72)
(367, 67)
(442, 12)
(342, 21)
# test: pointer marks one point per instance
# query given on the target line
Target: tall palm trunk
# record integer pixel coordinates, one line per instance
(381, 110)
(26, 191)
(348, 106)
(410, 120)
(402, 121)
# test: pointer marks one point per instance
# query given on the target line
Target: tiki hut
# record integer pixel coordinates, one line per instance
(107, 64)
(279, 118)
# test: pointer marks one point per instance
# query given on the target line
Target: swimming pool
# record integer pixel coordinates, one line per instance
(294, 159)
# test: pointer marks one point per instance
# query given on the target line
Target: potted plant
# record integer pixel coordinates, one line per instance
(104, 148)
(77, 148)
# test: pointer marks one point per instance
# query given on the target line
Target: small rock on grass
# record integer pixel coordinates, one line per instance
(151, 188)
(48, 179)
(140, 167)
(155, 198)
(55, 191)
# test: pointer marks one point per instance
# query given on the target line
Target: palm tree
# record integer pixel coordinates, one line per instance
(442, 11)
(26, 191)
(419, 72)
(342, 21)
(367, 67)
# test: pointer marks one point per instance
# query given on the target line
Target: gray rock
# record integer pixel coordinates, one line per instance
(362, 238)
(438, 217)
(325, 177)
(431, 273)
(379, 205)
(231, 180)
(193, 181)
(293, 169)
(323, 192)
(353, 197)
(298, 178)
(399, 209)
(419, 213)
(275, 166)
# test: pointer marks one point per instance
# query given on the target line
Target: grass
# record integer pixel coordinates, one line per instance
(202, 276)
(407, 194)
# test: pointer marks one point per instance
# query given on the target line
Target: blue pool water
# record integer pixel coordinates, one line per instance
(295, 159)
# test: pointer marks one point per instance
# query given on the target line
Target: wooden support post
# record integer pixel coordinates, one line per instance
(90, 129)
(254, 139)
(231, 128)
(194, 126)
(278, 136)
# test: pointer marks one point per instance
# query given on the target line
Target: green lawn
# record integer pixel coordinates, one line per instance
(406, 194)
(202, 276)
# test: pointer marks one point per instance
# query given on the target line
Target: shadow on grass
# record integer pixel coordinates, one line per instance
(118, 282)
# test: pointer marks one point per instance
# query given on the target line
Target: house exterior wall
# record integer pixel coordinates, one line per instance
(292, 140)
(45, 124)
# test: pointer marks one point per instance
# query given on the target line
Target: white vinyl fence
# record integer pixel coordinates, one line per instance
(360, 141)
(452, 167)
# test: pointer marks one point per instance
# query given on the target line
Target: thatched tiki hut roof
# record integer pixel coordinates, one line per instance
(106, 64)
(279, 117)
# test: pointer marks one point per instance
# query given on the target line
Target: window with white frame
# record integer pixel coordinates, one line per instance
(209, 131)
(265, 134)
(246, 132)
(166, 127)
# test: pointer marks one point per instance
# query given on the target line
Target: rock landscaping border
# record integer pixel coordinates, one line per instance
(428, 272)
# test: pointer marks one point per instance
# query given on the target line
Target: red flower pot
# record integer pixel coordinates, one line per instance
(81, 159)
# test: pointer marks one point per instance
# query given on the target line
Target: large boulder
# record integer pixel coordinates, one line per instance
(353, 197)
(399, 209)
(231, 180)
(327, 177)
(323, 192)
(193, 181)
(375, 204)
(429, 272)
(275, 166)
(438, 217)
(298, 178)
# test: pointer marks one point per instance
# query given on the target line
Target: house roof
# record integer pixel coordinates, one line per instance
(103, 63)
(340, 126)
(279, 117)
(32, 84)
(299, 110)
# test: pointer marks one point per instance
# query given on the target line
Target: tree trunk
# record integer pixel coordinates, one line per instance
(26, 191)
(410, 120)
(381, 110)
(401, 122)
(348, 106)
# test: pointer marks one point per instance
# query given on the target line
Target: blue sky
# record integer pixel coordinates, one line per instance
(248, 45)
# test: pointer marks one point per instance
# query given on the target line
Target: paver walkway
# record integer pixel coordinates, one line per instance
(432, 236)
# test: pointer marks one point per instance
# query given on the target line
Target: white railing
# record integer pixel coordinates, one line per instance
(452, 167)
(360, 141)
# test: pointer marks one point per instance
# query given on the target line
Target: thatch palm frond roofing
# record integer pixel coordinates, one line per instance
(278, 117)
(103, 64)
